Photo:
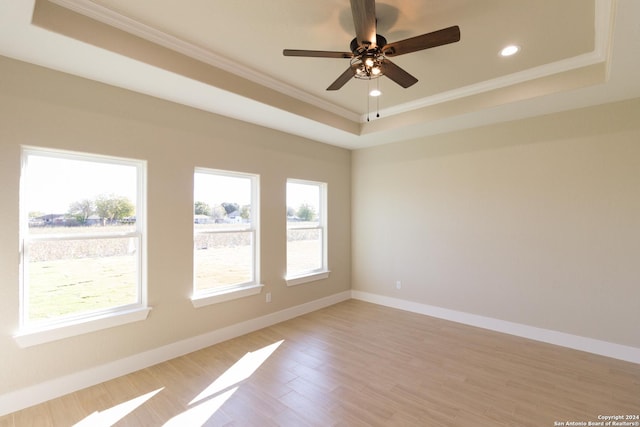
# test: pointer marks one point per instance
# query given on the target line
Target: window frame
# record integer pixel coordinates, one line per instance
(298, 278)
(66, 326)
(239, 290)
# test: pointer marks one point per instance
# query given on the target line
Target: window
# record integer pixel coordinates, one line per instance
(225, 222)
(82, 243)
(306, 231)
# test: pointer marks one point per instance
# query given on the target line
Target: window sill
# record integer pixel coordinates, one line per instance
(305, 278)
(226, 295)
(31, 337)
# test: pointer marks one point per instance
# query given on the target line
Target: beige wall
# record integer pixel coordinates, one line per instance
(44, 108)
(535, 222)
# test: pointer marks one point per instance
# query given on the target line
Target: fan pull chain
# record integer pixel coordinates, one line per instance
(378, 98)
(368, 98)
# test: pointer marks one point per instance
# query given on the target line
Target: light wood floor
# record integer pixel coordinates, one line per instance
(358, 364)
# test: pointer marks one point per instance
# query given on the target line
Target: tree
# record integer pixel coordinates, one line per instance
(306, 212)
(82, 210)
(245, 212)
(202, 208)
(111, 207)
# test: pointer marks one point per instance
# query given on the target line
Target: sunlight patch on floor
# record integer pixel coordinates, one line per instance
(218, 392)
(110, 416)
(199, 414)
(239, 372)
(203, 406)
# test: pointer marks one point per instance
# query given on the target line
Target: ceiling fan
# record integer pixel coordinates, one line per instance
(369, 50)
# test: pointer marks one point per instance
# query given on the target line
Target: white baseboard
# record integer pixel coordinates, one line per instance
(603, 348)
(33, 395)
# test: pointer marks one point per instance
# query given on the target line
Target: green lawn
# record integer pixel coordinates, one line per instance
(71, 277)
(74, 286)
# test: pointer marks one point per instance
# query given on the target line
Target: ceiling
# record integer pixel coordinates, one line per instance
(226, 57)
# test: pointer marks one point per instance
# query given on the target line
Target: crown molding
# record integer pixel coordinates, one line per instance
(136, 28)
(604, 13)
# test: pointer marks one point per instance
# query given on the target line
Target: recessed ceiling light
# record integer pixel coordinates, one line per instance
(375, 92)
(509, 50)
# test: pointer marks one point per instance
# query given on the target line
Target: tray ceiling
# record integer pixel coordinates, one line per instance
(226, 57)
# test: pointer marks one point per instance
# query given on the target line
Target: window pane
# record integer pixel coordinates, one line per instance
(81, 238)
(303, 204)
(304, 250)
(223, 259)
(71, 277)
(306, 227)
(224, 230)
(222, 200)
(66, 192)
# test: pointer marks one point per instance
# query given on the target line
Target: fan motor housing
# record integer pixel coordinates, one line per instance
(356, 49)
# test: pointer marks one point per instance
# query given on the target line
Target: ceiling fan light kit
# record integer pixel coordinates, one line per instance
(369, 50)
(366, 61)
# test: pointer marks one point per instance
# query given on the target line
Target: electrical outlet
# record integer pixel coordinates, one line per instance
(398, 284)
(268, 296)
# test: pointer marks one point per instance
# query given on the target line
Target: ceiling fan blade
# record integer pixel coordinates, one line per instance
(425, 41)
(343, 79)
(397, 74)
(364, 20)
(316, 53)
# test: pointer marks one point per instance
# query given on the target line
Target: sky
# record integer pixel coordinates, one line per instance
(54, 183)
(298, 194)
(215, 189)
